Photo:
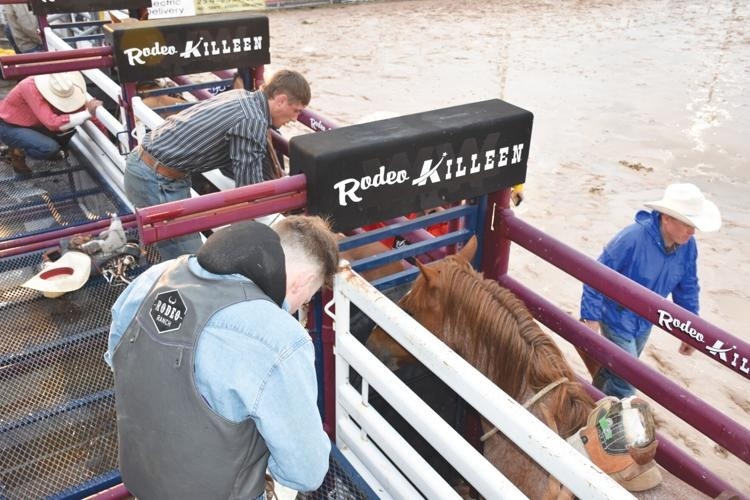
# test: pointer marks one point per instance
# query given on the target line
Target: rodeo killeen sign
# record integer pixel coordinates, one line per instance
(179, 46)
(44, 7)
(374, 171)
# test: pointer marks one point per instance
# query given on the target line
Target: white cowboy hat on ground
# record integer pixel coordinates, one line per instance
(65, 91)
(686, 203)
(66, 274)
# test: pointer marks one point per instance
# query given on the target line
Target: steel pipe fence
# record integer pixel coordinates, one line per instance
(668, 454)
(708, 420)
(541, 443)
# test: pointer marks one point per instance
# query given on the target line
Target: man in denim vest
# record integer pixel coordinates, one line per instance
(214, 378)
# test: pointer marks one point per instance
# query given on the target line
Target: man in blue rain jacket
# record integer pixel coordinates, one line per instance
(659, 252)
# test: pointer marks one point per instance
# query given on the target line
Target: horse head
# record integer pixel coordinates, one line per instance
(491, 328)
(423, 303)
(427, 298)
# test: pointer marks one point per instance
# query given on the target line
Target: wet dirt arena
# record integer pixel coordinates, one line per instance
(627, 97)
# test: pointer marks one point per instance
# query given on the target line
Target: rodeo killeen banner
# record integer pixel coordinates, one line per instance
(182, 46)
(371, 172)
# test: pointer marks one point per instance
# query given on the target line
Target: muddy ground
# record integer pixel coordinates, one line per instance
(628, 97)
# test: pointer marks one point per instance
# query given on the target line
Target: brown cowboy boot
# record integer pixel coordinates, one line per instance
(18, 161)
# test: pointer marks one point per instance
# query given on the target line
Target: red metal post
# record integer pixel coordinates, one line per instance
(127, 92)
(258, 76)
(38, 63)
(51, 239)
(119, 492)
(315, 121)
(201, 94)
(328, 338)
(56, 56)
(224, 207)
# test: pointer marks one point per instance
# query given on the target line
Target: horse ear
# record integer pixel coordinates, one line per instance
(469, 249)
(430, 274)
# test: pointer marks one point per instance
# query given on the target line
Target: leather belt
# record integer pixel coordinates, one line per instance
(159, 167)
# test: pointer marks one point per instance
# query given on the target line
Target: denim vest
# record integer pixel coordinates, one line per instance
(172, 445)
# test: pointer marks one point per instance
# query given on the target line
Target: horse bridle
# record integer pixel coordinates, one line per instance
(529, 403)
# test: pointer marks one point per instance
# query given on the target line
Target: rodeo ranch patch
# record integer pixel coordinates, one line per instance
(168, 311)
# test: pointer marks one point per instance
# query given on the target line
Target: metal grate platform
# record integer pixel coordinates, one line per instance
(58, 434)
(342, 482)
(57, 415)
(57, 194)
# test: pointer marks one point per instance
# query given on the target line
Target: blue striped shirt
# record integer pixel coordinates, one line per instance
(226, 131)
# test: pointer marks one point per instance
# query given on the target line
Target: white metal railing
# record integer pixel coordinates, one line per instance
(100, 151)
(111, 123)
(361, 432)
(112, 163)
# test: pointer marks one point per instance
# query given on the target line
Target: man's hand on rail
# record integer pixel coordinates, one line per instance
(91, 106)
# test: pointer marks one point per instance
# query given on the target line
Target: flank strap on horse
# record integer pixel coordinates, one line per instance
(529, 403)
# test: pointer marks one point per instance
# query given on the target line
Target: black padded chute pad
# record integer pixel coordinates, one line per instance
(44, 7)
(186, 45)
(251, 249)
(371, 172)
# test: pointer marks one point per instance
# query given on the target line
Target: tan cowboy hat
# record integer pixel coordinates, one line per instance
(65, 91)
(686, 203)
(66, 274)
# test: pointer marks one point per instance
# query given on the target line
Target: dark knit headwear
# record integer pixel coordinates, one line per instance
(251, 249)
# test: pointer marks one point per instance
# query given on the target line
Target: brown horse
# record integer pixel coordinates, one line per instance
(368, 250)
(492, 330)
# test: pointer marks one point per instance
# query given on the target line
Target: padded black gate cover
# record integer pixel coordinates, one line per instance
(188, 45)
(371, 172)
(44, 7)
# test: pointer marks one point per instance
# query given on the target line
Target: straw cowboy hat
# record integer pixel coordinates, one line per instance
(65, 91)
(66, 274)
(686, 203)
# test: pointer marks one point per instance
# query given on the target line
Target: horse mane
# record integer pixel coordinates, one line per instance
(492, 330)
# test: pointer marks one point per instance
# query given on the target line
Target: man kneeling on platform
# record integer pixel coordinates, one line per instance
(38, 117)
(214, 378)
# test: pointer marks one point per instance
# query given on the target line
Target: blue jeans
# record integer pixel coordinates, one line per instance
(606, 381)
(12, 41)
(145, 188)
(38, 144)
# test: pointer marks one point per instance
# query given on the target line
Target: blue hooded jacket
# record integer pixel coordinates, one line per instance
(638, 252)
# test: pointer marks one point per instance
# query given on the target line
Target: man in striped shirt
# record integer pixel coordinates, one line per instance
(228, 130)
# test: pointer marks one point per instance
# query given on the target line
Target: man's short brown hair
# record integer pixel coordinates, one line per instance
(311, 235)
(291, 83)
